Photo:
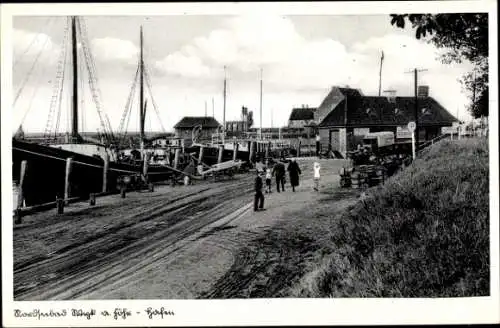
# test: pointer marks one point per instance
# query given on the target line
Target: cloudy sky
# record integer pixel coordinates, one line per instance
(301, 57)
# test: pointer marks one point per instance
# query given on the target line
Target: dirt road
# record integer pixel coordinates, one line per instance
(175, 243)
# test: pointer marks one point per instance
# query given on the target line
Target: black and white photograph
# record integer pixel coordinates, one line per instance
(259, 163)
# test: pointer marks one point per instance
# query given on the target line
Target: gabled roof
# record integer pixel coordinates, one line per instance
(302, 114)
(334, 97)
(369, 110)
(188, 122)
(348, 92)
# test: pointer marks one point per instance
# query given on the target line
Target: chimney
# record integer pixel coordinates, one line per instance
(423, 91)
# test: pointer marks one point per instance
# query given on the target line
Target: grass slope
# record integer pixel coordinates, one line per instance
(425, 233)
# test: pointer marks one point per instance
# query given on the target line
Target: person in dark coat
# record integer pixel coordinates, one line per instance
(294, 171)
(279, 173)
(258, 203)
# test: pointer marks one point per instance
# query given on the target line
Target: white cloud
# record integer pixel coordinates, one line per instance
(27, 46)
(290, 62)
(248, 43)
(188, 66)
(112, 49)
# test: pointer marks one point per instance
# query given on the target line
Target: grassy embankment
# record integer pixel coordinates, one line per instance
(425, 233)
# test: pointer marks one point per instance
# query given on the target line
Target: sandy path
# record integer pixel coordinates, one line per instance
(174, 243)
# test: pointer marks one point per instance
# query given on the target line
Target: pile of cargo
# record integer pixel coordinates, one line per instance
(373, 163)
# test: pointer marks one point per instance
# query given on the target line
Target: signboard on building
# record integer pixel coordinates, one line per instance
(361, 131)
(449, 129)
(402, 132)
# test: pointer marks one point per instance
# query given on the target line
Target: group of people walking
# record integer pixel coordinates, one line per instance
(278, 171)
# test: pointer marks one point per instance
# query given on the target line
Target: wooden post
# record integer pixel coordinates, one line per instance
(235, 151)
(60, 205)
(20, 189)
(221, 152)
(123, 190)
(92, 199)
(20, 193)
(18, 216)
(176, 158)
(67, 179)
(200, 155)
(250, 152)
(298, 149)
(145, 167)
(105, 173)
(414, 151)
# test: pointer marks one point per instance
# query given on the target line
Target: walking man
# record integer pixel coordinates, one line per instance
(316, 175)
(258, 204)
(294, 171)
(279, 173)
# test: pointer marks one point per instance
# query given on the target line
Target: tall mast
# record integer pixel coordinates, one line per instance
(271, 118)
(74, 128)
(141, 75)
(141, 95)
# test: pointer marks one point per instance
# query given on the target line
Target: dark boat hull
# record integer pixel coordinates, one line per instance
(45, 175)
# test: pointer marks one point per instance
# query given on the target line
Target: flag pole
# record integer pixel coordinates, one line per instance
(380, 74)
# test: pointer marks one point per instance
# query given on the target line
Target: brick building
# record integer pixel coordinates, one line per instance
(346, 115)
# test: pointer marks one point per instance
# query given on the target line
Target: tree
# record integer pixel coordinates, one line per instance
(465, 37)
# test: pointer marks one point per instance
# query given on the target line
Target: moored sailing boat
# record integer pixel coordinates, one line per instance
(47, 163)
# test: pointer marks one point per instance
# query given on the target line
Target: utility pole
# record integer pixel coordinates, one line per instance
(224, 109)
(261, 103)
(213, 108)
(415, 72)
(380, 75)
(205, 108)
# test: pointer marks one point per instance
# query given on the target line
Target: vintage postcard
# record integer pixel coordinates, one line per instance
(179, 164)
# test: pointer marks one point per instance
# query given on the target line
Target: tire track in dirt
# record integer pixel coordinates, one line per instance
(112, 249)
(27, 264)
(161, 256)
(274, 260)
(261, 269)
